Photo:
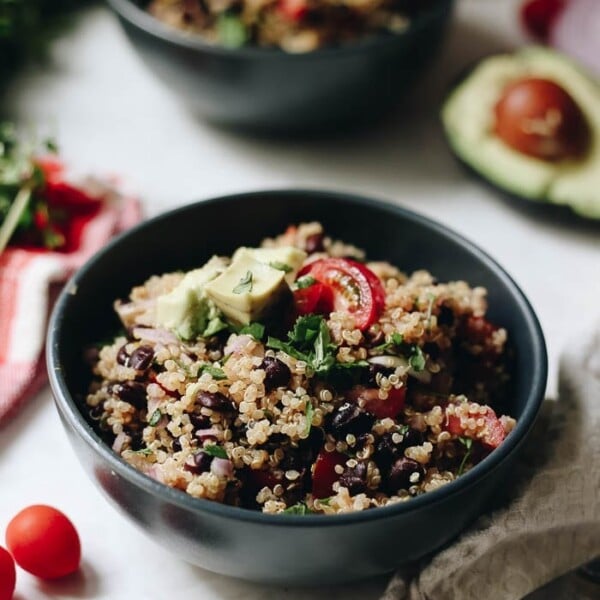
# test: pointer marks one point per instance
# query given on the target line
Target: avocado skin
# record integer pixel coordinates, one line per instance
(537, 206)
(538, 210)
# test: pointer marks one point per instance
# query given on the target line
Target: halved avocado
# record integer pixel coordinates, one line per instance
(469, 120)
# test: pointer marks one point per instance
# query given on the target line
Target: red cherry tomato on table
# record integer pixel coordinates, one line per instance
(44, 542)
(354, 288)
(8, 575)
(390, 407)
(324, 473)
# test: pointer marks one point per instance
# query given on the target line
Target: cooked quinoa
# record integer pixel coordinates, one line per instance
(293, 25)
(392, 391)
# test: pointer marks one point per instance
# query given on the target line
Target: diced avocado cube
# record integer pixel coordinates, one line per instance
(286, 258)
(246, 290)
(185, 309)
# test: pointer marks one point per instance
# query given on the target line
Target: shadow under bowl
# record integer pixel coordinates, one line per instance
(269, 91)
(287, 549)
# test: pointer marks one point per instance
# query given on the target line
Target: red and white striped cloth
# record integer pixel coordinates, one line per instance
(28, 283)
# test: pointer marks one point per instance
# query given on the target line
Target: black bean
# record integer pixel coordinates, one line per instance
(199, 463)
(350, 418)
(432, 349)
(200, 422)
(215, 401)
(176, 445)
(400, 474)
(374, 335)
(413, 437)
(277, 373)
(122, 356)
(141, 358)
(446, 316)
(314, 243)
(132, 392)
(387, 451)
(374, 369)
(355, 479)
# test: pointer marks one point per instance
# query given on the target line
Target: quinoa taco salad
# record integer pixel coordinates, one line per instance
(300, 378)
(292, 25)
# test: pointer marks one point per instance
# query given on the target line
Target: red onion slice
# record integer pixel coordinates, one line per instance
(577, 32)
(221, 467)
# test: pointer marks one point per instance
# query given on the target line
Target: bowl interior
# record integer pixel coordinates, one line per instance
(187, 237)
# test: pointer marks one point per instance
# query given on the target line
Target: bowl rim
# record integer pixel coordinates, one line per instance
(68, 407)
(129, 11)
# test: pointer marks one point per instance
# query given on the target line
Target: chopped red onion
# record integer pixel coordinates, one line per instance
(577, 32)
(222, 467)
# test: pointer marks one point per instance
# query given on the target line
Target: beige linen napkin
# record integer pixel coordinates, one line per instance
(550, 522)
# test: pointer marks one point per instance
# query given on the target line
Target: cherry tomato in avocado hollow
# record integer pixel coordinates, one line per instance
(8, 575)
(354, 288)
(539, 118)
(44, 542)
(324, 473)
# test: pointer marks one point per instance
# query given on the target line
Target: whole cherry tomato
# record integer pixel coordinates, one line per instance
(8, 575)
(44, 542)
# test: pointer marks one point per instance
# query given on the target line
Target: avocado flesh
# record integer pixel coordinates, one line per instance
(468, 118)
(186, 310)
(246, 303)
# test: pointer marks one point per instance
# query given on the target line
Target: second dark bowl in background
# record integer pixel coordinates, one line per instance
(269, 90)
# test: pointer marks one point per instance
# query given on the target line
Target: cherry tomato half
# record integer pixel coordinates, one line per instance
(494, 433)
(8, 575)
(390, 407)
(44, 542)
(354, 288)
(315, 299)
(324, 474)
(293, 10)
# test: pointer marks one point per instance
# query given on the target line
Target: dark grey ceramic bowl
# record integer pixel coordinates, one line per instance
(284, 548)
(269, 90)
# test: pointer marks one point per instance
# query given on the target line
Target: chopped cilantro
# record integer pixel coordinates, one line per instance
(155, 418)
(397, 338)
(298, 509)
(304, 282)
(214, 371)
(245, 284)
(280, 266)
(310, 341)
(215, 325)
(417, 359)
(256, 330)
(231, 30)
(403, 429)
(468, 444)
(310, 411)
(216, 451)
(143, 451)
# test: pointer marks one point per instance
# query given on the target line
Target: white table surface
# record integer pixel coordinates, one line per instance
(111, 115)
